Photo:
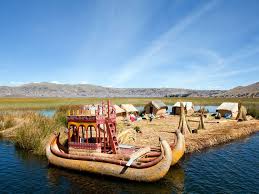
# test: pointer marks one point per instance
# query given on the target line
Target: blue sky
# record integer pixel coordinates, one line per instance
(135, 43)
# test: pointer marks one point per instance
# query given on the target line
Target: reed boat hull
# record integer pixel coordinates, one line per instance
(178, 150)
(148, 174)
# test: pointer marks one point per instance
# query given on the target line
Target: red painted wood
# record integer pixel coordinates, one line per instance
(104, 115)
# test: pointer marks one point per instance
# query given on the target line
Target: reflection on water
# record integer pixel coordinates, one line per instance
(231, 168)
(29, 173)
(98, 184)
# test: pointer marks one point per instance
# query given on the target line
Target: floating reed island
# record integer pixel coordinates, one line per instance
(200, 132)
(32, 131)
(216, 133)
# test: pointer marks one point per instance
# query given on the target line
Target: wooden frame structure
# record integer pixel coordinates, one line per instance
(93, 131)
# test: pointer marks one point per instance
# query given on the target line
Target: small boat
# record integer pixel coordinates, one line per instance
(92, 146)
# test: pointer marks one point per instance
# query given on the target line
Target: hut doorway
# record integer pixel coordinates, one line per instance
(151, 109)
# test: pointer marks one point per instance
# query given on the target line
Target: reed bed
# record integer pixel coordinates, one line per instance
(6, 121)
(253, 110)
(34, 134)
(53, 103)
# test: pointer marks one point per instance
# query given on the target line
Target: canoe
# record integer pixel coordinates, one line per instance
(149, 167)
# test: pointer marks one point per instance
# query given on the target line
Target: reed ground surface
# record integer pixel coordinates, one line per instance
(216, 132)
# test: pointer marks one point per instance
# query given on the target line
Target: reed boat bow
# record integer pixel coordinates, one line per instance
(178, 149)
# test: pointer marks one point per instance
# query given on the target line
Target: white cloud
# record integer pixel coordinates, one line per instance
(235, 72)
(55, 82)
(215, 74)
(147, 58)
(83, 82)
(15, 83)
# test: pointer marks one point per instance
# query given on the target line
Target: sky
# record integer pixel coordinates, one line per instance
(196, 44)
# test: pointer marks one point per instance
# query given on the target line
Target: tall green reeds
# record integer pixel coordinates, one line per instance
(36, 131)
(253, 110)
(52, 103)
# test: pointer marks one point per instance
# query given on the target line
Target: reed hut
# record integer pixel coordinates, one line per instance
(129, 108)
(228, 108)
(119, 111)
(156, 107)
(188, 106)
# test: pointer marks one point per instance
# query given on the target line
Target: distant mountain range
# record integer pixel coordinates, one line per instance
(46, 89)
(243, 91)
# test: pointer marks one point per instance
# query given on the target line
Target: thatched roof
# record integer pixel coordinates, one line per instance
(129, 108)
(230, 106)
(188, 105)
(118, 109)
(158, 104)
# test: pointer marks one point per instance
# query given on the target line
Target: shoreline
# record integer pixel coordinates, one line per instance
(199, 144)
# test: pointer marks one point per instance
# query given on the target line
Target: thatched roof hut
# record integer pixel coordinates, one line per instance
(119, 111)
(188, 106)
(228, 108)
(129, 108)
(156, 107)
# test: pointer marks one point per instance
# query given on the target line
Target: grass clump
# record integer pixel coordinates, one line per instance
(6, 121)
(35, 133)
(60, 116)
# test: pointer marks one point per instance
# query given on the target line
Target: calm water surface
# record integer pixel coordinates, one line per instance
(47, 113)
(231, 168)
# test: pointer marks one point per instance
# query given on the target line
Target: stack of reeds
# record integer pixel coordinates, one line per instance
(201, 122)
(241, 116)
(183, 124)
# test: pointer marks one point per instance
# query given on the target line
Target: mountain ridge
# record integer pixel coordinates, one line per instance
(46, 89)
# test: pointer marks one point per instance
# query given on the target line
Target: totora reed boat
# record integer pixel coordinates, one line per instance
(92, 146)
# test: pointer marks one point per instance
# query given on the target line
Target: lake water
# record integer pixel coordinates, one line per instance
(47, 113)
(231, 168)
